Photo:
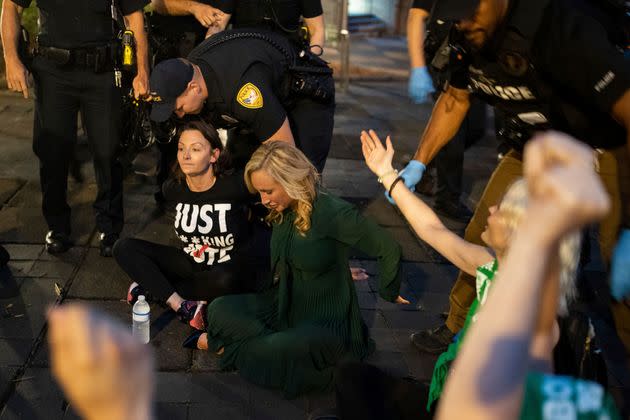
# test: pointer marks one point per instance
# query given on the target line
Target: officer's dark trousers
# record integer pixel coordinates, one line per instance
(62, 92)
(449, 162)
(312, 127)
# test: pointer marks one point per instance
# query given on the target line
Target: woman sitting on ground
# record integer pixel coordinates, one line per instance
(291, 336)
(495, 375)
(212, 220)
(483, 261)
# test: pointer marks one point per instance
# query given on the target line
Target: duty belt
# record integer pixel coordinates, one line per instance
(94, 58)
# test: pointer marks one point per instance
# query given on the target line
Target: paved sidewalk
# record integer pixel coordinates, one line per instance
(373, 58)
(185, 388)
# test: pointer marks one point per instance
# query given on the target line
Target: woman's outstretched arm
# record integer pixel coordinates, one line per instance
(488, 377)
(423, 220)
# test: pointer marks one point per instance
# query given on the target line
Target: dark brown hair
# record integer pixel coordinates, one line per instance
(222, 164)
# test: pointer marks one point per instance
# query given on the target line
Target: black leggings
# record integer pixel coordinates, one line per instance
(163, 270)
(365, 392)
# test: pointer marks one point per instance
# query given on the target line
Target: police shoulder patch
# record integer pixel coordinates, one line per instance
(250, 97)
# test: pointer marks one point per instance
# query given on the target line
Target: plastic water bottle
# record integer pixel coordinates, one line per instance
(141, 320)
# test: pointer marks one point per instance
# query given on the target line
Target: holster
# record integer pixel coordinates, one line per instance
(98, 59)
(309, 77)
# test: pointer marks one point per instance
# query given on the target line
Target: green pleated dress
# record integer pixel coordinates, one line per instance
(291, 336)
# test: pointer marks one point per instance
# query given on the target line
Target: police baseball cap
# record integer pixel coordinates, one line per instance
(169, 79)
(454, 9)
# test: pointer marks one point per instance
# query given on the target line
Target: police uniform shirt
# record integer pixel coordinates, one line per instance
(582, 74)
(78, 23)
(254, 12)
(242, 77)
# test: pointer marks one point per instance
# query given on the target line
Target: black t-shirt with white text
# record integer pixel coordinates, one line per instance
(212, 225)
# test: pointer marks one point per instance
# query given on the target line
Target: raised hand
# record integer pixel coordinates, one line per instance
(377, 157)
(104, 371)
(562, 180)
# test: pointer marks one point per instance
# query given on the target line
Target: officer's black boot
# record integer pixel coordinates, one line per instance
(107, 243)
(57, 242)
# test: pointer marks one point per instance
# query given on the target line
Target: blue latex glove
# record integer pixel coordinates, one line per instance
(620, 271)
(412, 174)
(420, 85)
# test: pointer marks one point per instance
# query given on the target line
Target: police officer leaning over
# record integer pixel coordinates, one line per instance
(542, 64)
(247, 80)
(73, 71)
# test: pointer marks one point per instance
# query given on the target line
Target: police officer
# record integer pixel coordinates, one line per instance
(202, 15)
(542, 64)
(449, 162)
(242, 80)
(73, 70)
(283, 16)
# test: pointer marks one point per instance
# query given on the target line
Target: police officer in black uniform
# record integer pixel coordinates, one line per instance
(184, 23)
(74, 70)
(244, 79)
(449, 162)
(282, 16)
(542, 64)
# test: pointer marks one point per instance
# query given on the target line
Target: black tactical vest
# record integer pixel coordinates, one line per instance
(505, 75)
(75, 23)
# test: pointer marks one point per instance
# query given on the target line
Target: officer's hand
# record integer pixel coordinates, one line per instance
(620, 272)
(17, 76)
(420, 85)
(411, 175)
(141, 85)
(213, 29)
(205, 14)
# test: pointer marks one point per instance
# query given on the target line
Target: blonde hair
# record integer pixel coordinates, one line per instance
(294, 172)
(513, 207)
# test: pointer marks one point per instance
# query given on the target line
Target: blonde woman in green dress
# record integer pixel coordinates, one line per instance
(291, 336)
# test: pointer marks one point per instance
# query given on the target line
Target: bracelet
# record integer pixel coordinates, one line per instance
(380, 178)
(396, 181)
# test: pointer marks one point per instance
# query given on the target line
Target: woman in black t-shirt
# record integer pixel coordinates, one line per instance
(212, 220)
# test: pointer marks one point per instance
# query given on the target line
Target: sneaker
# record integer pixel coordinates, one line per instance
(433, 341)
(186, 311)
(134, 291)
(198, 320)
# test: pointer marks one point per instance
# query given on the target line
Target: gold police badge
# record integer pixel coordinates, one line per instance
(250, 97)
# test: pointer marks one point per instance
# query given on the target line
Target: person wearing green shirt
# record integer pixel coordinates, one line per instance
(356, 398)
(495, 375)
(291, 336)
